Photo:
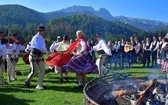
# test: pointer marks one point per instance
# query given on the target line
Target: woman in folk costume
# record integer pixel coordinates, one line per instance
(57, 57)
(81, 63)
(164, 55)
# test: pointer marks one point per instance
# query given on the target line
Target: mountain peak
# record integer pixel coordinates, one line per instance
(104, 13)
(103, 10)
(76, 8)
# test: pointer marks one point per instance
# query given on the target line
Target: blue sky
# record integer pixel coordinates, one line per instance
(148, 9)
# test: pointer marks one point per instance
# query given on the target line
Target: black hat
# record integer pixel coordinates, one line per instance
(65, 37)
(1, 32)
(11, 41)
(15, 35)
(4, 41)
(41, 28)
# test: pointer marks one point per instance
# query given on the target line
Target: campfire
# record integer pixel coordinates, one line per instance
(122, 89)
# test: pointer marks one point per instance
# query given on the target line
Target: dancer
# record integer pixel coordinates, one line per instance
(102, 49)
(81, 63)
(13, 50)
(36, 57)
(59, 48)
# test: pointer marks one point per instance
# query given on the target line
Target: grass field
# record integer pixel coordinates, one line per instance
(16, 93)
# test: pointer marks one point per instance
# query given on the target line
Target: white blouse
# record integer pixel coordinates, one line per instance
(81, 48)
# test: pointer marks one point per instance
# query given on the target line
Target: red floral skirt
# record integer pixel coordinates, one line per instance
(164, 66)
(58, 59)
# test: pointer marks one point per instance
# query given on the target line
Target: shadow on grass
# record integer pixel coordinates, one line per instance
(11, 100)
(65, 89)
(8, 89)
(57, 81)
(69, 88)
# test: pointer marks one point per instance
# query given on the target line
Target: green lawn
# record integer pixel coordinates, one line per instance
(16, 93)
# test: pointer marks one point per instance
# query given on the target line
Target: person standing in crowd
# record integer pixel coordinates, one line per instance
(141, 52)
(36, 57)
(164, 55)
(111, 59)
(119, 55)
(122, 52)
(92, 43)
(154, 47)
(114, 50)
(159, 48)
(3, 52)
(13, 50)
(128, 53)
(137, 48)
(59, 49)
(147, 52)
(89, 49)
(102, 49)
(133, 55)
(81, 63)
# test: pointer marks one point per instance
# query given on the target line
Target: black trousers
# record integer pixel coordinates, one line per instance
(154, 58)
(146, 58)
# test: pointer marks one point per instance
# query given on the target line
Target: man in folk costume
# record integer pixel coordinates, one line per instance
(132, 52)
(112, 59)
(159, 49)
(55, 44)
(154, 47)
(59, 48)
(3, 52)
(115, 53)
(147, 52)
(36, 58)
(137, 48)
(119, 54)
(122, 44)
(102, 49)
(13, 50)
(128, 54)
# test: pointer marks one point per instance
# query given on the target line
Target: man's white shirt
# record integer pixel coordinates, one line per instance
(39, 43)
(102, 46)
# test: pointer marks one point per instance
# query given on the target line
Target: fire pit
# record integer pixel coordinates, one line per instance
(124, 89)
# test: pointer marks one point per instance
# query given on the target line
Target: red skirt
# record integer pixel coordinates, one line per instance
(58, 59)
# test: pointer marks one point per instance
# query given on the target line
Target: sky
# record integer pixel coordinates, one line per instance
(147, 9)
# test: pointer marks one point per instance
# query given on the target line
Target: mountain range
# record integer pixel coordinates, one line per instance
(17, 14)
(143, 24)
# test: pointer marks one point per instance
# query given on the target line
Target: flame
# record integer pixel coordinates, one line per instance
(121, 92)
